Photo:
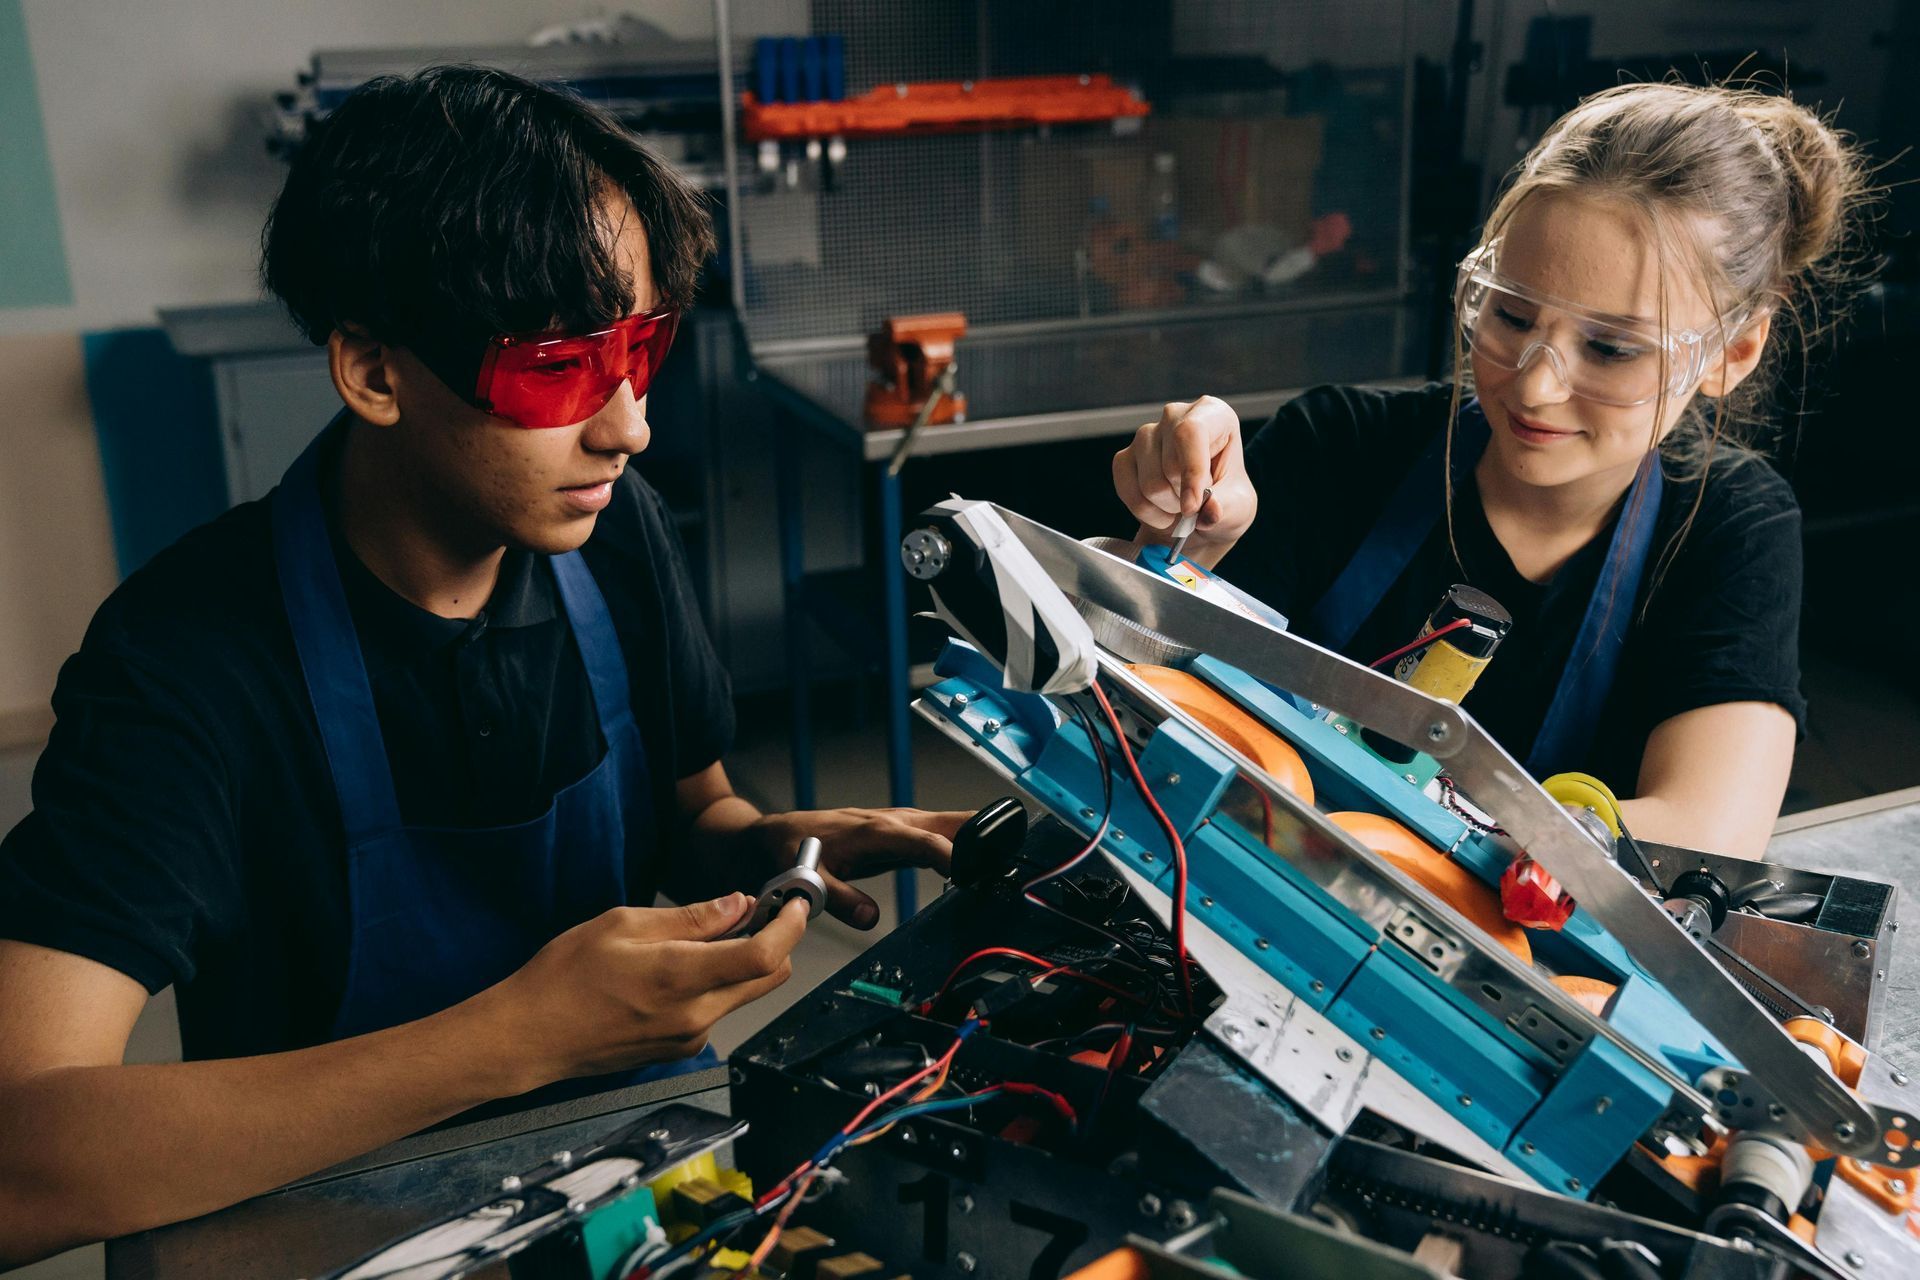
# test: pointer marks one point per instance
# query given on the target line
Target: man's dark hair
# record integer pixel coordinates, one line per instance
(437, 209)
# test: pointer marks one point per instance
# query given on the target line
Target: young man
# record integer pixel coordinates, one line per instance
(371, 769)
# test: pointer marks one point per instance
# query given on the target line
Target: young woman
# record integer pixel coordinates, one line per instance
(1592, 468)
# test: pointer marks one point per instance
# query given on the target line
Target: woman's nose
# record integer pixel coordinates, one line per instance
(1541, 376)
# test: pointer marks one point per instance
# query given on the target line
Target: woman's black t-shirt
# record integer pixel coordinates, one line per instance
(1720, 625)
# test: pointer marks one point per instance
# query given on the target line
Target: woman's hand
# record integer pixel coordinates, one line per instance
(1163, 473)
(857, 843)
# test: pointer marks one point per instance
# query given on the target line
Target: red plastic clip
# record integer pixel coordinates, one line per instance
(1531, 898)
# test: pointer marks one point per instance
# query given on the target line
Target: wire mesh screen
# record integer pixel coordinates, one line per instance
(1271, 169)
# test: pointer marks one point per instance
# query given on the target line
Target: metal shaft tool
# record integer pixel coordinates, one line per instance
(801, 880)
(1184, 529)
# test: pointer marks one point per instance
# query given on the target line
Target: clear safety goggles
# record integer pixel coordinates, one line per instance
(1600, 357)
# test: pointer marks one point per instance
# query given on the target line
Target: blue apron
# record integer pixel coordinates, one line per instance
(438, 914)
(1410, 516)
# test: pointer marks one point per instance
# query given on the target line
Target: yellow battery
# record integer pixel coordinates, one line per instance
(1441, 669)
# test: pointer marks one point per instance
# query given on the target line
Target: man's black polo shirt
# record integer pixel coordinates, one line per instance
(184, 827)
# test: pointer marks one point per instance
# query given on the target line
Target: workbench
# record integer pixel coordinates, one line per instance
(323, 1221)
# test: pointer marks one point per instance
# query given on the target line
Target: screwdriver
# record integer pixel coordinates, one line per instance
(1184, 529)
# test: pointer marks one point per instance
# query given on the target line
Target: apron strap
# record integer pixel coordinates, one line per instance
(329, 649)
(1574, 714)
(1389, 547)
(599, 643)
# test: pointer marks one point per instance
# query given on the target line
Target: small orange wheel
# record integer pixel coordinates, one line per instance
(1225, 719)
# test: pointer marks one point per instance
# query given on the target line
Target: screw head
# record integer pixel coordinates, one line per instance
(1899, 1077)
(563, 1158)
(966, 1204)
(1855, 1258)
(961, 699)
(1601, 1104)
(1173, 779)
(1776, 1112)
(1316, 986)
(1378, 1033)
(1466, 1099)
(990, 728)
(1180, 1215)
(576, 1207)
(510, 1183)
(1526, 1148)
(661, 1135)
(1573, 1184)
(1436, 733)
(1086, 813)
(1233, 1031)
(1844, 1131)
(1261, 944)
(966, 1261)
(1861, 949)
(1343, 1053)
(1206, 902)
(909, 1135)
(1897, 1185)
(1150, 1205)
(957, 1151)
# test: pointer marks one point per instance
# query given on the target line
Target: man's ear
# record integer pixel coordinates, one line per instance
(362, 371)
(1731, 367)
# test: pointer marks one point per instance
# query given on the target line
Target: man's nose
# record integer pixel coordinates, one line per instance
(621, 425)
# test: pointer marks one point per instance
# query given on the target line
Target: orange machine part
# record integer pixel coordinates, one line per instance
(1122, 1264)
(1846, 1057)
(907, 355)
(1441, 875)
(1224, 718)
(1591, 994)
(944, 106)
(1877, 1184)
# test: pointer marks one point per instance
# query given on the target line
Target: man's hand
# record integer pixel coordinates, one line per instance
(1162, 474)
(857, 843)
(640, 984)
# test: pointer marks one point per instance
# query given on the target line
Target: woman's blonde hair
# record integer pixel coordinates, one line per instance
(1752, 194)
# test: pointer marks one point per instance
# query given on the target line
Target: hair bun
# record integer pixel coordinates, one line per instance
(1823, 174)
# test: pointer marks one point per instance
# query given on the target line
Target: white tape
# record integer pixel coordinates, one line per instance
(1030, 604)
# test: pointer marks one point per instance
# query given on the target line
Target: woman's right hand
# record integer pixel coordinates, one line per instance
(1162, 474)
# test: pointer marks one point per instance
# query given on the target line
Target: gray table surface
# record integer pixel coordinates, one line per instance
(326, 1220)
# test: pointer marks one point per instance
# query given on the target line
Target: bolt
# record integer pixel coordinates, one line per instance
(1573, 1184)
(661, 1135)
(1173, 779)
(1776, 1112)
(1844, 1131)
(1180, 1215)
(1601, 1104)
(1897, 1185)
(957, 1151)
(1879, 975)
(1861, 949)
(910, 1135)
(631, 1181)
(966, 86)
(966, 1204)
(1233, 1031)
(1466, 1099)
(1147, 856)
(1855, 1258)
(1410, 778)
(1340, 728)
(990, 728)
(1899, 1077)
(1316, 986)
(563, 1158)
(1261, 944)
(576, 1207)
(960, 699)
(1119, 836)
(900, 90)
(1149, 1205)
(966, 1261)
(1436, 733)
(1343, 1053)
(1526, 1148)
(1378, 1033)
(1086, 813)
(1206, 902)
(510, 1183)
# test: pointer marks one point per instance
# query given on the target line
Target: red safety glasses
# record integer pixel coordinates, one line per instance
(539, 380)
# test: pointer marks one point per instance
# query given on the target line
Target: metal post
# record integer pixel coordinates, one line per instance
(793, 591)
(893, 597)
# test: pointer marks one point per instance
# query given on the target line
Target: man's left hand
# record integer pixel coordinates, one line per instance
(858, 843)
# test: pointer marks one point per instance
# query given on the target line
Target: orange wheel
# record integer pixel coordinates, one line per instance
(1590, 993)
(1224, 718)
(1441, 875)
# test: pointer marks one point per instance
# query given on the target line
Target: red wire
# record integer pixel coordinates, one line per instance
(1047, 965)
(1173, 839)
(1422, 642)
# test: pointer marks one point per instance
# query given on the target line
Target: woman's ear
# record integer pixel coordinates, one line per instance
(362, 371)
(1740, 358)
